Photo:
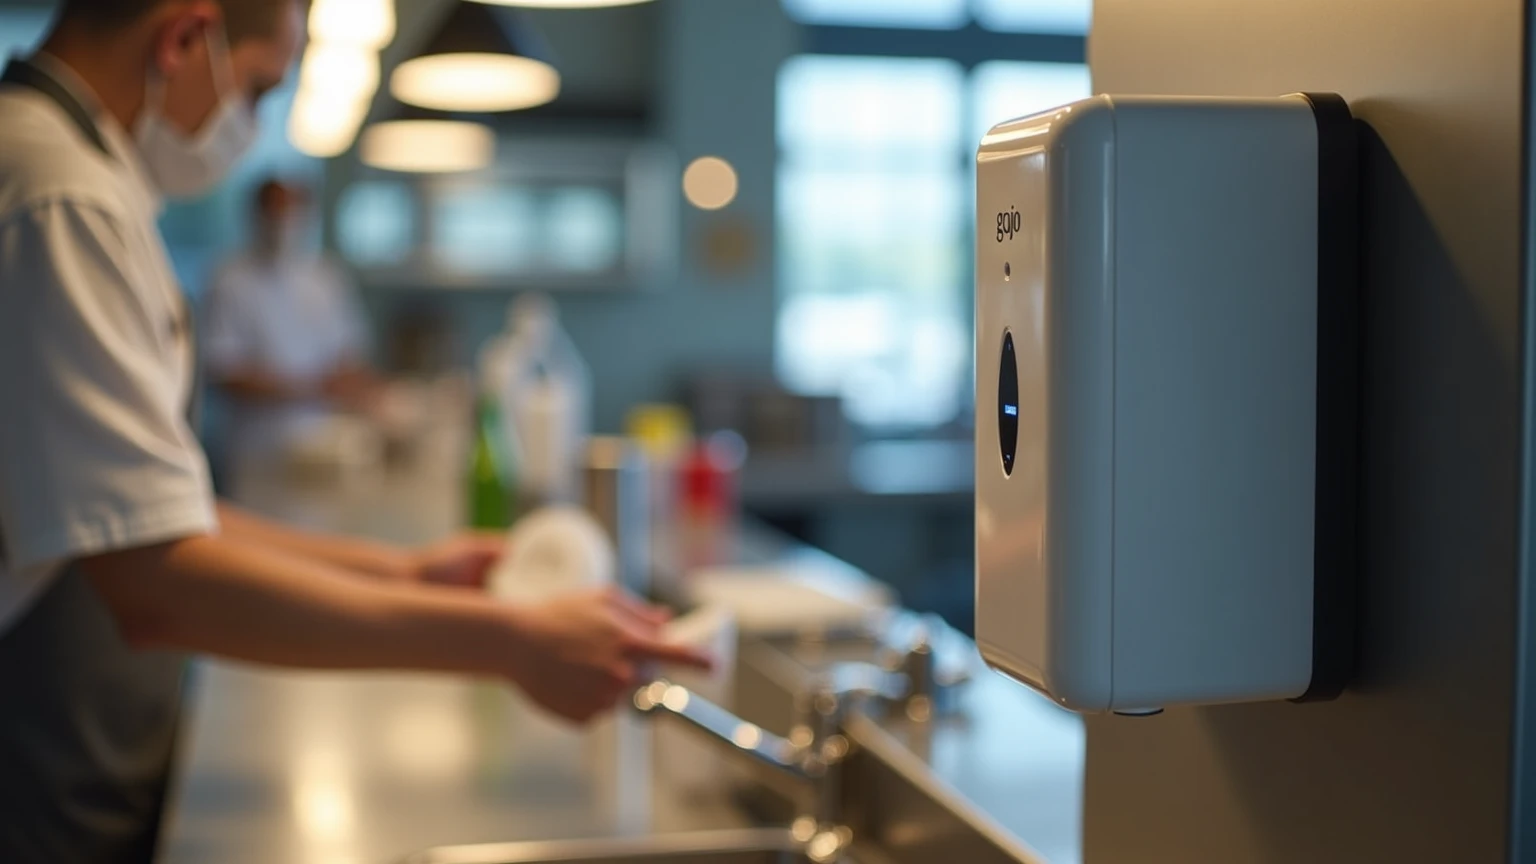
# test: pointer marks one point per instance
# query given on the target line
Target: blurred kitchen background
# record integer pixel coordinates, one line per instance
(756, 211)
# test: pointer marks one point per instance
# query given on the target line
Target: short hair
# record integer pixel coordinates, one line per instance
(273, 190)
(267, 193)
(242, 18)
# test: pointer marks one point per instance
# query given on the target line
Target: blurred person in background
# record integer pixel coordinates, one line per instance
(284, 337)
(115, 556)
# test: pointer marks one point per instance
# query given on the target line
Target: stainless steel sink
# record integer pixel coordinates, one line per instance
(848, 779)
(747, 846)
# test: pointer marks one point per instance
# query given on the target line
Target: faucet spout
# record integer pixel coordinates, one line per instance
(663, 698)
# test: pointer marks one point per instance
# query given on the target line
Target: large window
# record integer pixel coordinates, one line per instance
(511, 229)
(875, 198)
(1019, 16)
(376, 223)
(888, 13)
(1034, 16)
(553, 215)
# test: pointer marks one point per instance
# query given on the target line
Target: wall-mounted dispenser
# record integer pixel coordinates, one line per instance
(1167, 400)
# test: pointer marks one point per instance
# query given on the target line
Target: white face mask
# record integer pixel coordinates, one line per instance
(187, 166)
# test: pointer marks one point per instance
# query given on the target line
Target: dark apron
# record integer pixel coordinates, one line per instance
(87, 725)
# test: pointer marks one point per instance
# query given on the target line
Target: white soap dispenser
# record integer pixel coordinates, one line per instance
(1167, 400)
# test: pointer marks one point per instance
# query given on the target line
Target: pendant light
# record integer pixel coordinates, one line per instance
(428, 146)
(367, 23)
(340, 73)
(563, 4)
(481, 60)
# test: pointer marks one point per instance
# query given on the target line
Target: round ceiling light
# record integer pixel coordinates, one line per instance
(323, 128)
(710, 183)
(366, 23)
(340, 68)
(428, 146)
(475, 82)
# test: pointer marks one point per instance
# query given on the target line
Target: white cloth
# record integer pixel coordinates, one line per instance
(96, 365)
(296, 318)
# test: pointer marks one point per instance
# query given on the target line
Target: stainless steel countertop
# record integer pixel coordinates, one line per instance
(1014, 756)
(364, 768)
(348, 769)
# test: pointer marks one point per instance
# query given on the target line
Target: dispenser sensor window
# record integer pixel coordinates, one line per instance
(1008, 404)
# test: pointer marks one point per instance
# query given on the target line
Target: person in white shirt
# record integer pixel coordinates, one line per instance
(114, 554)
(284, 337)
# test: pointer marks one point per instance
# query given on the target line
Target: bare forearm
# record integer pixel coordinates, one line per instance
(258, 385)
(220, 596)
(348, 553)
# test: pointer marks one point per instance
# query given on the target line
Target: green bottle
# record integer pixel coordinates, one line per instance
(492, 492)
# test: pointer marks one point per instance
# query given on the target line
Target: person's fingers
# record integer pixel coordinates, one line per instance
(485, 544)
(638, 610)
(677, 655)
(464, 560)
(594, 704)
(621, 676)
(460, 573)
(657, 615)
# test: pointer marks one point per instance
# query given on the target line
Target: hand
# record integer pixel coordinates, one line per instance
(352, 387)
(585, 651)
(463, 560)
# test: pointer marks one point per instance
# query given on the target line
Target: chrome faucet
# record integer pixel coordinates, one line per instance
(813, 753)
(723, 727)
(916, 675)
(931, 660)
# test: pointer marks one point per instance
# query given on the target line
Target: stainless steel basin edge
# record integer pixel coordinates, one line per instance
(894, 803)
(734, 846)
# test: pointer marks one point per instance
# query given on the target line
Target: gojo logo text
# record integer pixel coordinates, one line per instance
(1008, 224)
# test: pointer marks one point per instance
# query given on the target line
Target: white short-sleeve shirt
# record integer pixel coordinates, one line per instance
(96, 360)
(295, 317)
